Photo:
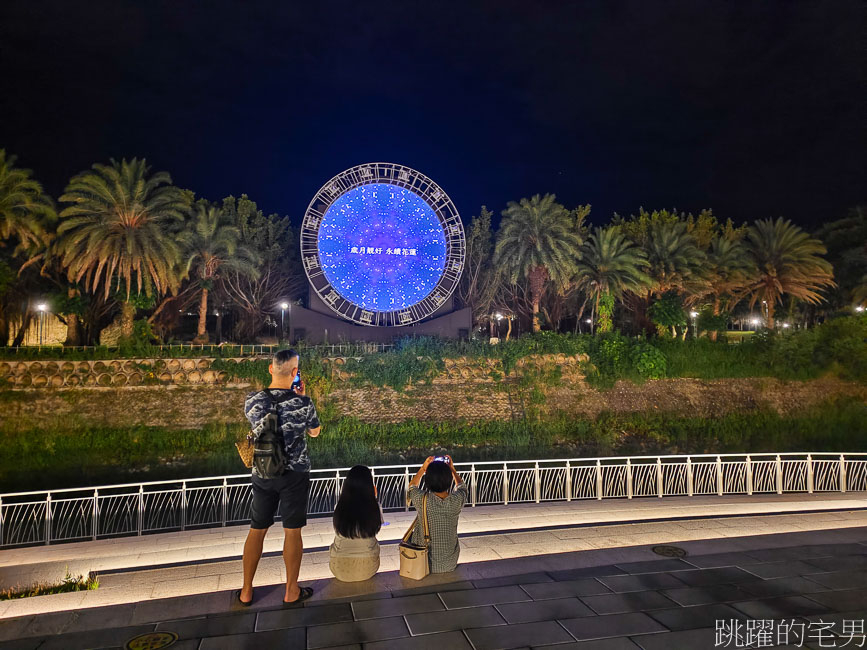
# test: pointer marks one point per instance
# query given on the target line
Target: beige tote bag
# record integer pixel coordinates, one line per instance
(414, 562)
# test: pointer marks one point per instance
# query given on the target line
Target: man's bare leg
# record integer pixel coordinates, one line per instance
(293, 549)
(252, 554)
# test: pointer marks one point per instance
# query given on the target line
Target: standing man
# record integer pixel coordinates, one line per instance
(296, 418)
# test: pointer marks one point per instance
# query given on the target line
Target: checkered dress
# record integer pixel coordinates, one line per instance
(442, 517)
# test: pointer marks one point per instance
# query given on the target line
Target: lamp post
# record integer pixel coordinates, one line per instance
(694, 315)
(755, 322)
(283, 307)
(41, 308)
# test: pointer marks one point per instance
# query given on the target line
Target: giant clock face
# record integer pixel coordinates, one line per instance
(382, 245)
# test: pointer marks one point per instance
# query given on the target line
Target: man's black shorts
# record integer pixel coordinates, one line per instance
(290, 491)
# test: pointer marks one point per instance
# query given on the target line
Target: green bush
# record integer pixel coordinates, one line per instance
(649, 362)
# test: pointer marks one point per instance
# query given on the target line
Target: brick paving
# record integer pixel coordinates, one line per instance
(618, 601)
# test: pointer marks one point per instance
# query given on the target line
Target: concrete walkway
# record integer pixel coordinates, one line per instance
(812, 585)
(204, 561)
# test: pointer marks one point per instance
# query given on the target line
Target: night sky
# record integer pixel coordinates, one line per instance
(754, 109)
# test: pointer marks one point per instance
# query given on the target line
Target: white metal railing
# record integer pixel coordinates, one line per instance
(75, 514)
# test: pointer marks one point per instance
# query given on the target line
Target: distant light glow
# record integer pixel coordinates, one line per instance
(694, 314)
(859, 308)
(785, 324)
(42, 306)
(284, 305)
(588, 321)
(755, 321)
(382, 247)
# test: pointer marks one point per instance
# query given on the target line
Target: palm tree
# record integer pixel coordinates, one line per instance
(24, 207)
(674, 257)
(788, 261)
(118, 231)
(728, 270)
(538, 240)
(610, 265)
(211, 245)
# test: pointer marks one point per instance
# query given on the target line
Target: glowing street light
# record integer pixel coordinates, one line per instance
(283, 307)
(42, 307)
(859, 308)
(498, 316)
(785, 325)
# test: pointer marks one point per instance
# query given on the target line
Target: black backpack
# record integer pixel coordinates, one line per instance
(269, 451)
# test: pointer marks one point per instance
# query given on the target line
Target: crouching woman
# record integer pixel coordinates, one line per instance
(443, 509)
(354, 554)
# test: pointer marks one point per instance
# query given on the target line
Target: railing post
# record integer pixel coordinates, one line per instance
(598, 479)
(779, 465)
(473, 484)
(689, 477)
(95, 513)
(140, 508)
(48, 518)
(538, 481)
(568, 481)
(406, 488)
(183, 505)
(629, 487)
(842, 473)
(505, 484)
(225, 501)
(659, 482)
(336, 487)
(1, 522)
(719, 477)
(749, 474)
(809, 474)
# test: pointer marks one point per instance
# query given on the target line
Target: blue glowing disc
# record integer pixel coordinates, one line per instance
(382, 247)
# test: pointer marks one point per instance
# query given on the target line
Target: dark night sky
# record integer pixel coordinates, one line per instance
(754, 109)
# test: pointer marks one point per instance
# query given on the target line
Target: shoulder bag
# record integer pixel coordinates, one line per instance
(414, 561)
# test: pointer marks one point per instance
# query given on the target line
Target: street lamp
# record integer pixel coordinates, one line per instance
(41, 308)
(755, 322)
(694, 314)
(283, 307)
(859, 308)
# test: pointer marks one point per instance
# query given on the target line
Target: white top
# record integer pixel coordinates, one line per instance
(348, 547)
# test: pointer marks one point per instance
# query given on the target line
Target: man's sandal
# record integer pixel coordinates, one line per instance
(306, 592)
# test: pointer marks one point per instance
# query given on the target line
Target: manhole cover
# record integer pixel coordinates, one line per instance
(151, 641)
(669, 551)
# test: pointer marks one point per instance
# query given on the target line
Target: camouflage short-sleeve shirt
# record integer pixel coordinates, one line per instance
(295, 413)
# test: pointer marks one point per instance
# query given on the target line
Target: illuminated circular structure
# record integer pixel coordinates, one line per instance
(382, 245)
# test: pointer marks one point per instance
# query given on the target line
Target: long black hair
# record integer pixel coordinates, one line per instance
(357, 514)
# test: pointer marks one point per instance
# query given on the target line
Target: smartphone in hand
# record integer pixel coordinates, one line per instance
(296, 383)
(443, 459)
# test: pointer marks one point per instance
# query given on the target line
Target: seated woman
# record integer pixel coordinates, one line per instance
(443, 509)
(357, 520)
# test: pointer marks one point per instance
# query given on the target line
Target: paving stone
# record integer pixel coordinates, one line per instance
(293, 638)
(197, 628)
(714, 560)
(842, 601)
(587, 572)
(544, 610)
(698, 639)
(442, 641)
(840, 579)
(512, 580)
(720, 576)
(848, 563)
(654, 566)
(781, 587)
(380, 629)
(688, 618)
(784, 607)
(784, 569)
(547, 590)
(690, 596)
(830, 550)
(433, 588)
(603, 627)
(397, 606)
(101, 617)
(93, 639)
(490, 596)
(838, 617)
(30, 643)
(634, 601)
(642, 582)
(619, 643)
(453, 619)
(302, 616)
(517, 636)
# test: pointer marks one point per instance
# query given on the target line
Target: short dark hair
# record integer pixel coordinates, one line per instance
(357, 514)
(438, 476)
(282, 357)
